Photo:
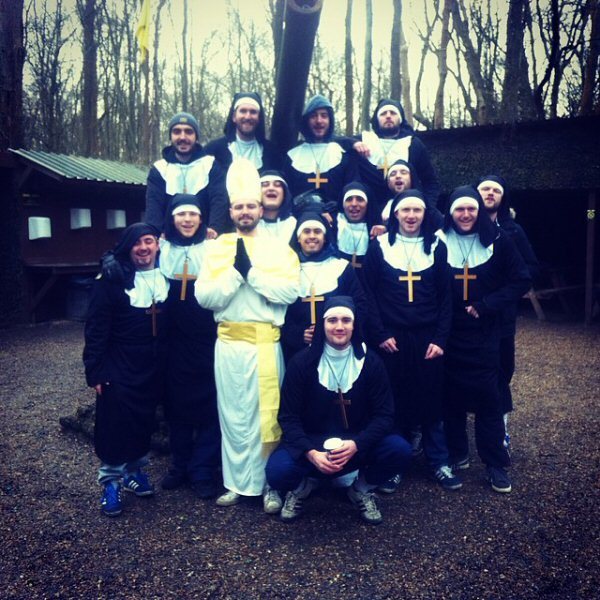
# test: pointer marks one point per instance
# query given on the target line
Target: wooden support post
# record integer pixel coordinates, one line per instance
(589, 258)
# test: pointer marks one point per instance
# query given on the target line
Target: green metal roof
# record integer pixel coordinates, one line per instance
(86, 169)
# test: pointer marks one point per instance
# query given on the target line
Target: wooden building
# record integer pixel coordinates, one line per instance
(72, 209)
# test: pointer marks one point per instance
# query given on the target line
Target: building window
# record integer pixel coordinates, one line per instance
(81, 218)
(115, 219)
(39, 228)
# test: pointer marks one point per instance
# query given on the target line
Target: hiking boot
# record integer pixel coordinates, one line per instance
(391, 485)
(173, 480)
(366, 504)
(461, 464)
(229, 498)
(111, 504)
(204, 488)
(292, 507)
(271, 501)
(446, 478)
(138, 484)
(499, 479)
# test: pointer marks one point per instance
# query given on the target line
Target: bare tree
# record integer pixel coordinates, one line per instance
(395, 78)
(442, 57)
(591, 77)
(368, 65)
(88, 12)
(349, 87)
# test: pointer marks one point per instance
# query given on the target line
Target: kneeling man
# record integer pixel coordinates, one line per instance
(336, 389)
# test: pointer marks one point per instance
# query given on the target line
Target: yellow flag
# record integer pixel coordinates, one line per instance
(143, 31)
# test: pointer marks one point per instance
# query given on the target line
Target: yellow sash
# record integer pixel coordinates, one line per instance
(263, 336)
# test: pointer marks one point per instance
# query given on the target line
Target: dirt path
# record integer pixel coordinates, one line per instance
(541, 541)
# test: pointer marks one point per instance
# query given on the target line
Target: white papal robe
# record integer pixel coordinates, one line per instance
(249, 365)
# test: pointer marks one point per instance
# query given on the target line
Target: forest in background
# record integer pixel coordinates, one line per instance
(86, 91)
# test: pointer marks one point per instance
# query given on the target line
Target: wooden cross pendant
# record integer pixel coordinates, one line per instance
(318, 180)
(410, 278)
(153, 310)
(313, 304)
(465, 277)
(185, 277)
(384, 167)
(342, 403)
(354, 263)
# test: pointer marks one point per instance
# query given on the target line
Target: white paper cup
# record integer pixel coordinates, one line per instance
(332, 444)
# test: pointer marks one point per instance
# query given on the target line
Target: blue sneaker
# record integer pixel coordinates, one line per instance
(138, 484)
(446, 478)
(499, 479)
(461, 464)
(111, 504)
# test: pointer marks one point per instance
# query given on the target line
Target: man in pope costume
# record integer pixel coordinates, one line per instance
(248, 280)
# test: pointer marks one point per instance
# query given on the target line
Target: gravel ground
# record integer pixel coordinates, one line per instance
(541, 541)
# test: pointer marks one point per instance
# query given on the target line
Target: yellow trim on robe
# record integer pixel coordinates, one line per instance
(263, 336)
(261, 252)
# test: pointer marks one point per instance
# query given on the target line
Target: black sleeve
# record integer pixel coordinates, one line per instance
(218, 218)
(156, 199)
(376, 332)
(380, 400)
(293, 390)
(526, 251)
(97, 334)
(443, 288)
(419, 157)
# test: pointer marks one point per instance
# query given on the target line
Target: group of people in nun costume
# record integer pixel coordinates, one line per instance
(330, 326)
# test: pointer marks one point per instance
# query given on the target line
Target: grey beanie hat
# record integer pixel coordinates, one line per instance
(184, 118)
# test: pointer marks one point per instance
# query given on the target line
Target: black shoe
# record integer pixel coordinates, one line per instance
(499, 479)
(204, 488)
(173, 480)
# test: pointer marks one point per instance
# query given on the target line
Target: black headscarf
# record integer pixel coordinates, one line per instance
(404, 130)
(328, 249)
(371, 216)
(415, 182)
(428, 227)
(318, 342)
(483, 226)
(171, 233)
(116, 264)
(229, 129)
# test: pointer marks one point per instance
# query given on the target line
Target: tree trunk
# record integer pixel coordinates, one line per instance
(89, 113)
(395, 81)
(485, 101)
(157, 87)
(12, 57)
(404, 74)
(277, 10)
(517, 101)
(301, 23)
(591, 72)
(438, 112)
(349, 74)
(184, 70)
(553, 59)
(365, 115)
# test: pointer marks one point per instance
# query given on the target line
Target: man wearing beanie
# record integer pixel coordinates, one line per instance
(245, 135)
(487, 276)
(248, 280)
(494, 193)
(319, 163)
(124, 357)
(186, 169)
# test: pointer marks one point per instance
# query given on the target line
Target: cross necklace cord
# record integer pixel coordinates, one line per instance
(409, 277)
(466, 277)
(185, 276)
(183, 172)
(153, 310)
(317, 179)
(340, 400)
(312, 299)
